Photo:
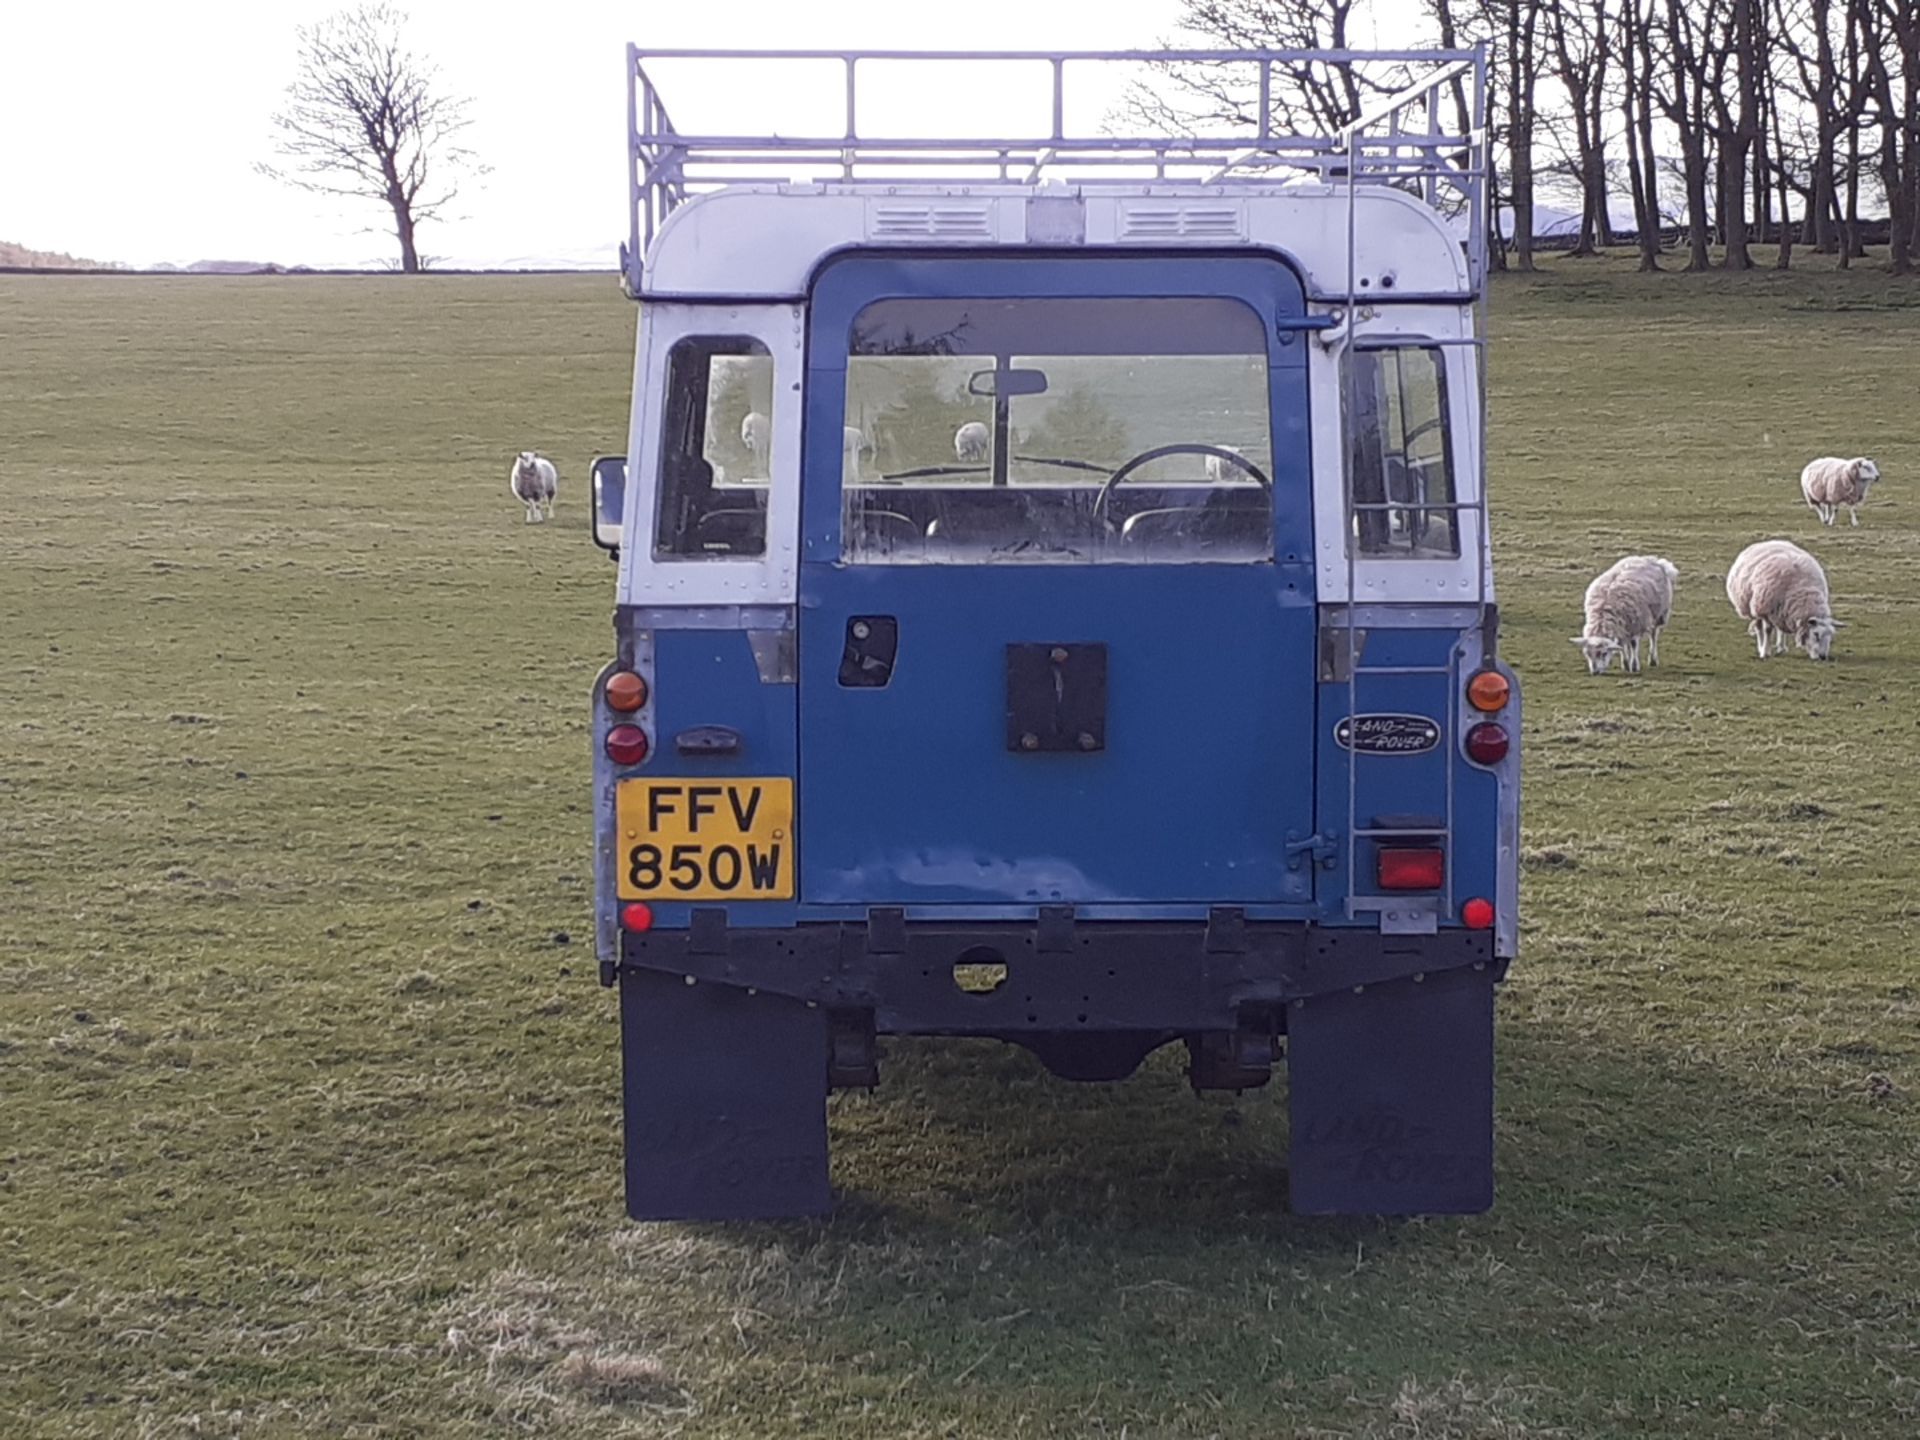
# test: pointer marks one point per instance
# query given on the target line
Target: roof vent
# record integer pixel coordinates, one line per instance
(1163, 220)
(922, 220)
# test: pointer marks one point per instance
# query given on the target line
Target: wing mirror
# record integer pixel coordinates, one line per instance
(609, 502)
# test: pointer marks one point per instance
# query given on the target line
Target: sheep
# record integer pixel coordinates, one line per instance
(1780, 591)
(853, 444)
(534, 483)
(972, 440)
(1220, 469)
(1830, 482)
(756, 433)
(1626, 603)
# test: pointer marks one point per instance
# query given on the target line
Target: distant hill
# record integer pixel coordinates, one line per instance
(20, 257)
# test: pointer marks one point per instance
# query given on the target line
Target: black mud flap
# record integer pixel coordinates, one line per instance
(1391, 1098)
(726, 1101)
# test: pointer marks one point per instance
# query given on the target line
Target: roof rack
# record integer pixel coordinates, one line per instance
(1427, 136)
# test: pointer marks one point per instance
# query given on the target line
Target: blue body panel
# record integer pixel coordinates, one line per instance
(909, 793)
(1404, 789)
(708, 677)
(911, 796)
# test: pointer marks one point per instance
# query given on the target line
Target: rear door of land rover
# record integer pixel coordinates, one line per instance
(1019, 683)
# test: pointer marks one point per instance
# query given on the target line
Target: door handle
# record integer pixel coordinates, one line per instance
(708, 740)
(866, 660)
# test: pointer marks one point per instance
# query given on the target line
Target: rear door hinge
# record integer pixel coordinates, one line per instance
(1316, 847)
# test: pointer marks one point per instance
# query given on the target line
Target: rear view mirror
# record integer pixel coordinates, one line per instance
(609, 501)
(1007, 382)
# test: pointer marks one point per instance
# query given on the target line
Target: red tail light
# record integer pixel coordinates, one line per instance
(637, 917)
(626, 744)
(1406, 869)
(1477, 914)
(1487, 743)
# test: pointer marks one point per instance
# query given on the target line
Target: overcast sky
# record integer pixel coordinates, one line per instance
(131, 130)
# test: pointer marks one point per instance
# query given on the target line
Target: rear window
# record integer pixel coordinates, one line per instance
(715, 444)
(997, 431)
(1402, 454)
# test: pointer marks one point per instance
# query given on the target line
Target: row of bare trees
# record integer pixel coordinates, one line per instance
(1725, 123)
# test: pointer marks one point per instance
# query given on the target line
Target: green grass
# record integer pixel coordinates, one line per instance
(308, 1119)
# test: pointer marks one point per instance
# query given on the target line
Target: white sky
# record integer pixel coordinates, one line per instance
(129, 132)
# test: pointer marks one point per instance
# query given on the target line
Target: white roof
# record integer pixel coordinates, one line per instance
(765, 241)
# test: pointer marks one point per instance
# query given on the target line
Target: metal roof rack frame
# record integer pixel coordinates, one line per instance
(1402, 139)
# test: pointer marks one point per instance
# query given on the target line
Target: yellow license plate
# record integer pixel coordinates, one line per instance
(700, 839)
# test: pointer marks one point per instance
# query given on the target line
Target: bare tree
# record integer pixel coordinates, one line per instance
(1582, 47)
(1890, 38)
(1684, 103)
(1524, 63)
(1472, 23)
(1643, 169)
(366, 118)
(1741, 136)
(1305, 98)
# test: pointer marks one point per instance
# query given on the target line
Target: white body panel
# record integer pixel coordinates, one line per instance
(769, 579)
(766, 241)
(740, 261)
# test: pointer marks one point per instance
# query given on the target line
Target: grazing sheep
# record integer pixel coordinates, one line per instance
(853, 444)
(1830, 482)
(972, 441)
(1626, 603)
(1220, 469)
(534, 482)
(756, 433)
(1780, 591)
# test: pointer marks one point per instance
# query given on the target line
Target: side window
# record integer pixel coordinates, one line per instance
(1402, 454)
(716, 431)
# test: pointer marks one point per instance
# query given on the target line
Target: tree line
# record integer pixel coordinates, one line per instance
(1725, 123)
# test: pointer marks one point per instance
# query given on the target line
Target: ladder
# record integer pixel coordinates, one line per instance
(1428, 158)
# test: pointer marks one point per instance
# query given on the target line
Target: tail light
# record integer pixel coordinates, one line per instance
(1412, 869)
(1477, 914)
(625, 691)
(1489, 691)
(637, 917)
(626, 744)
(1488, 743)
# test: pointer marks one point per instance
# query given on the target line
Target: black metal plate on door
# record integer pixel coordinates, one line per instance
(1057, 698)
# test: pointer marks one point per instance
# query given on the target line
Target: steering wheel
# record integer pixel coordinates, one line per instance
(1239, 462)
(1406, 441)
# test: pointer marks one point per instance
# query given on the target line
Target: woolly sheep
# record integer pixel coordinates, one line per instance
(1221, 469)
(1780, 591)
(756, 432)
(853, 444)
(1830, 482)
(1626, 603)
(534, 482)
(971, 441)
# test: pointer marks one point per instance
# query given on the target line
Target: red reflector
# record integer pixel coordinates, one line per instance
(1412, 869)
(626, 744)
(1487, 743)
(1477, 914)
(637, 917)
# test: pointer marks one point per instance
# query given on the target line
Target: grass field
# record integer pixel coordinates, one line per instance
(308, 1103)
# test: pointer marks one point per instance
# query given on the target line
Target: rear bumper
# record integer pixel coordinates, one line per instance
(1061, 974)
